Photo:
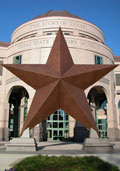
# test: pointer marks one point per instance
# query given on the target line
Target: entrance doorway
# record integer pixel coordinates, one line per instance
(98, 99)
(17, 110)
(58, 126)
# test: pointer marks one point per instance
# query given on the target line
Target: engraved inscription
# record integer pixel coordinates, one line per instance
(57, 23)
(49, 42)
(41, 42)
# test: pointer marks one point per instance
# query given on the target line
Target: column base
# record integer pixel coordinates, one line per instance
(97, 145)
(4, 134)
(113, 134)
(21, 144)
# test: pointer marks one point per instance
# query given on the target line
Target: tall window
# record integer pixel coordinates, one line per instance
(1, 68)
(117, 79)
(98, 60)
(102, 127)
(25, 107)
(119, 105)
(17, 59)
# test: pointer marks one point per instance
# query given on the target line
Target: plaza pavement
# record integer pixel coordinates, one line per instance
(8, 159)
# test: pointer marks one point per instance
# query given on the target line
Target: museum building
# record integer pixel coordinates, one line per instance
(31, 43)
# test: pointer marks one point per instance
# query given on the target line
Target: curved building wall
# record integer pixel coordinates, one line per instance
(33, 41)
(42, 26)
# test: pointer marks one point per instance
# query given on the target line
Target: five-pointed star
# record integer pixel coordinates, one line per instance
(59, 84)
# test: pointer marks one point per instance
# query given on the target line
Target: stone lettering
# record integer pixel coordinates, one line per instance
(49, 42)
(41, 42)
(71, 42)
(54, 23)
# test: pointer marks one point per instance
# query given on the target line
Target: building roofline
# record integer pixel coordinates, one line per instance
(117, 58)
(52, 13)
(4, 44)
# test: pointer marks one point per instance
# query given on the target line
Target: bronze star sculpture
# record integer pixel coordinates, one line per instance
(59, 84)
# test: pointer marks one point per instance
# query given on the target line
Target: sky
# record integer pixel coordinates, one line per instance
(103, 13)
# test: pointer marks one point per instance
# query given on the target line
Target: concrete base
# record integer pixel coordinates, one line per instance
(97, 145)
(113, 134)
(4, 134)
(116, 145)
(21, 144)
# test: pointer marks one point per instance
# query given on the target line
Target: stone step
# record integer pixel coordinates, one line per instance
(116, 144)
(2, 147)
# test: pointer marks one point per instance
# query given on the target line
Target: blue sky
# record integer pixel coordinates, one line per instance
(103, 13)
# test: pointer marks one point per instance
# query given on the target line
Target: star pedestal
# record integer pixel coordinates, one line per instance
(94, 144)
(22, 144)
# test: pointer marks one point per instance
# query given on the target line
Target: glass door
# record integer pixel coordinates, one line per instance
(58, 126)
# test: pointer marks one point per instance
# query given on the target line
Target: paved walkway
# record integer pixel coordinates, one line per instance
(8, 159)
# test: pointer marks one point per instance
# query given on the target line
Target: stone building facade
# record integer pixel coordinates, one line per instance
(31, 43)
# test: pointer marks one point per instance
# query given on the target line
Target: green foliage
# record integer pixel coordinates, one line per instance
(64, 163)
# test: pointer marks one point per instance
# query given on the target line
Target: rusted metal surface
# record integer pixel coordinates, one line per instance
(59, 84)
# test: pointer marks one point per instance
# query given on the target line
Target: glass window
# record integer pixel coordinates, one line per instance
(12, 108)
(1, 68)
(66, 33)
(50, 117)
(100, 127)
(103, 105)
(17, 59)
(67, 125)
(49, 33)
(25, 107)
(60, 133)
(61, 113)
(117, 79)
(11, 126)
(60, 124)
(66, 117)
(55, 117)
(11, 121)
(49, 125)
(119, 105)
(66, 133)
(55, 133)
(55, 138)
(60, 117)
(55, 125)
(98, 60)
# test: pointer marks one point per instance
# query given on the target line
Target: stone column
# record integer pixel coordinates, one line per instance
(6, 125)
(112, 131)
(21, 113)
(4, 130)
(37, 133)
(16, 118)
(94, 143)
(93, 133)
(71, 126)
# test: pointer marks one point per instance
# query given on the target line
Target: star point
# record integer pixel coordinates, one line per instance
(59, 84)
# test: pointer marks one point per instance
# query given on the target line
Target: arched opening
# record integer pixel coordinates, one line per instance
(18, 101)
(97, 101)
(58, 126)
